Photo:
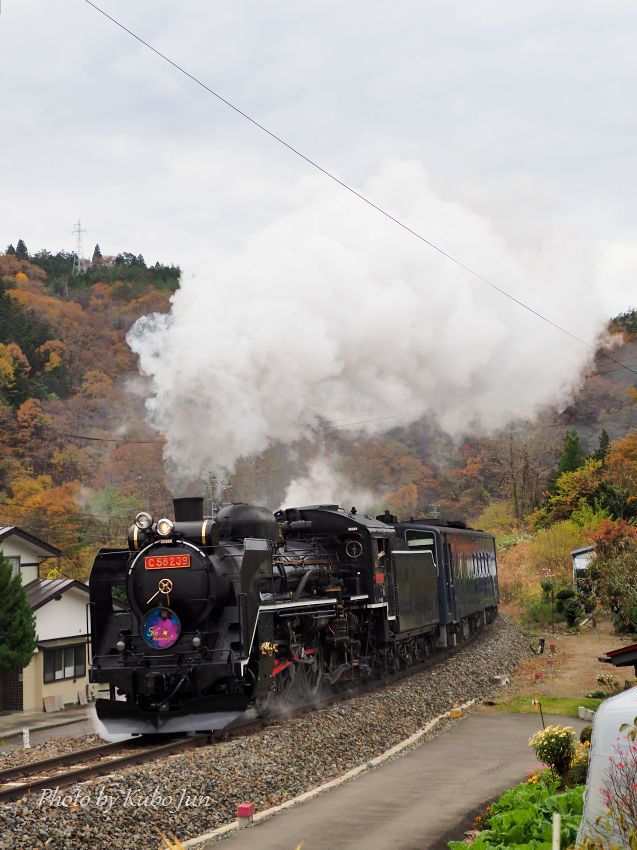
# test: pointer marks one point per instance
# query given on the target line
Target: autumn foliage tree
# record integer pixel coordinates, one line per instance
(61, 364)
(622, 465)
(614, 570)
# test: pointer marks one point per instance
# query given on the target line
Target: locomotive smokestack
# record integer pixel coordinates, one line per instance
(189, 509)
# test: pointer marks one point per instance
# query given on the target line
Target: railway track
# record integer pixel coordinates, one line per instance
(97, 761)
(86, 764)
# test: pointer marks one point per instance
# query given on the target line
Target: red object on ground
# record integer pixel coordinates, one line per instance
(245, 810)
(538, 675)
(552, 647)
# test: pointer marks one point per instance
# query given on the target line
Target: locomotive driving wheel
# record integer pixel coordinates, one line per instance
(298, 684)
(310, 668)
(303, 679)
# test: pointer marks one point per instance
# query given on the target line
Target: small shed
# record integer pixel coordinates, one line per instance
(625, 656)
(581, 559)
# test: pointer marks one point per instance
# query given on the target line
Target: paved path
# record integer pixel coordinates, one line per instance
(74, 720)
(416, 802)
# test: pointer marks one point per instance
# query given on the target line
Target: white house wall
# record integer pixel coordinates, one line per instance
(13, 547)
(63, 618)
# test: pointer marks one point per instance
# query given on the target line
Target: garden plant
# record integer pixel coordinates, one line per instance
(522, 817)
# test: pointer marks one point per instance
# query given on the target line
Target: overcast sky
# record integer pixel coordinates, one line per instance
(523, 113)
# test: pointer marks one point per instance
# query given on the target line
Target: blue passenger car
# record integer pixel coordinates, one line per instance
(467, 575)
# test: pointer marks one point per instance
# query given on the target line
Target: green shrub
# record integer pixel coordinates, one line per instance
(573, 611)
(562, 598)
(585, 734)
(539, 610)
(548, 586)
(523, 815)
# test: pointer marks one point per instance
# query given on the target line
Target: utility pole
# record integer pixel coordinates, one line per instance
(78, 259)
(212, 492)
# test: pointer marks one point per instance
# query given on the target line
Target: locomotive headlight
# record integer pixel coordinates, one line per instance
(143, 521)
(165, 527)
(196, 642)
(120, 646)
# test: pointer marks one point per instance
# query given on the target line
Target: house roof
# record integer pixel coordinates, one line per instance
(625, 656)
(40, 591)
(582, 550)
(43, 548)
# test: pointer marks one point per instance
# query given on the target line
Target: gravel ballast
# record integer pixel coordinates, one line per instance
(195, 792)
(54, 747)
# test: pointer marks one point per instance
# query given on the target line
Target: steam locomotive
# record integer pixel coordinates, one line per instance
(200, 619)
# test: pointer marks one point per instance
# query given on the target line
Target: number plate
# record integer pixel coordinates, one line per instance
(166, 562)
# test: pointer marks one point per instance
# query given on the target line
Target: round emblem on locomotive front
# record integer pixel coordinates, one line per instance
(354, 549)
(161, 628)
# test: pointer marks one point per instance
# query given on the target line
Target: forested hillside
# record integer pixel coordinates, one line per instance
(68, 470)
(77, 459)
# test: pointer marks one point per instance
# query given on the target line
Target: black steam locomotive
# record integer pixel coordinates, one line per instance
(201, 619)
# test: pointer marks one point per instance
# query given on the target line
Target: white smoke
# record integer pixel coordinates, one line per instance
(330, 311)
(324, 484)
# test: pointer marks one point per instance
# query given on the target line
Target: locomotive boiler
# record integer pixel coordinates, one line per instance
(200, 619)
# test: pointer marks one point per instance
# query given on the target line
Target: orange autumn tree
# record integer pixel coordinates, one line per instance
(621, 465)
(31, 418)
(55, 352)
(36, 504)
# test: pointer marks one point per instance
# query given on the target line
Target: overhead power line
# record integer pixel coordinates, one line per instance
(311, 162)
(333, 424)
(103, 439)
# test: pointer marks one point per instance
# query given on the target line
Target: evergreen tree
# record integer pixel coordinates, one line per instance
(10, 250)
(17, 622)
(21, 250)
(604, 446)
(97, 255)
(572, 454)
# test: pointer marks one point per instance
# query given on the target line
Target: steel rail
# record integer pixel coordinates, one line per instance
(36, 767)
(88, 771)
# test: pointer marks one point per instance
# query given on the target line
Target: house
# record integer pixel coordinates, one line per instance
(25, 552)
(59, 665)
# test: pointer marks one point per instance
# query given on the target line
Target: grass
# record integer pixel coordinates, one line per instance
(566, 706)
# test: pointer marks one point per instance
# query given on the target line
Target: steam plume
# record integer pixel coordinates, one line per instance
(324, 484)
(331, 312)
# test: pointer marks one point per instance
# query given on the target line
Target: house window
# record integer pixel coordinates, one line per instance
(64, 662)
(14, 560)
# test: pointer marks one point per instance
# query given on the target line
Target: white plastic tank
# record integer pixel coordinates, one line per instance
(605, 741)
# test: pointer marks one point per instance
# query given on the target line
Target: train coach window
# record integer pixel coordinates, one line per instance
(416, 540)
(422, 542)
